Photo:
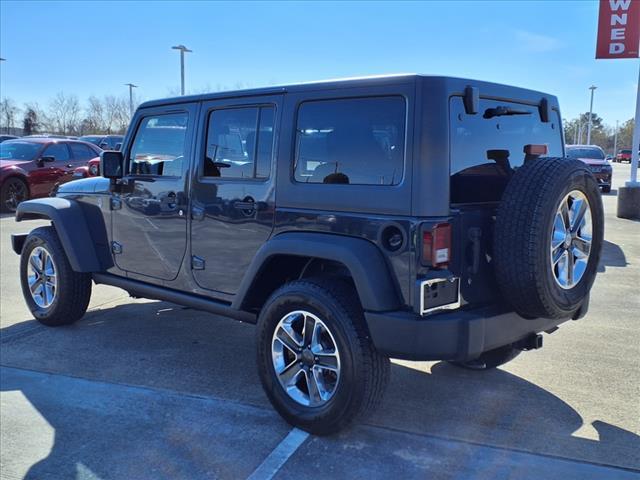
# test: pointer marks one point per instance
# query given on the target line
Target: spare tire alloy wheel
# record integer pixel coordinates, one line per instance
(42, 277)
(571, 239)
(306, 358)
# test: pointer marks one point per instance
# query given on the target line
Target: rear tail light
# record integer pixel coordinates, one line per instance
(436, 245)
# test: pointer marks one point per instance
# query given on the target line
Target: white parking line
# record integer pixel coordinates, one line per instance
(287, 447)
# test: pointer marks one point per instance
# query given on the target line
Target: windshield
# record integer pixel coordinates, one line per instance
(593, 153)
(18, 150)
(626, 152)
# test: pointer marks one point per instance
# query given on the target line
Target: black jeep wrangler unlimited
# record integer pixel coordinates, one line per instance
(409, 216)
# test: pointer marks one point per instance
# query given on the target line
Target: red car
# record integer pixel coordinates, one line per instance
(31, 167)
(624, 156)
(91, 169)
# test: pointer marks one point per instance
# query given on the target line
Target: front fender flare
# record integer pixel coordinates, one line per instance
(363, 259)
(71, 226)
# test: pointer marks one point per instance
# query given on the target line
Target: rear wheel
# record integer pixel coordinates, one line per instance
(315, 359)
(12, 192)
(55, 294)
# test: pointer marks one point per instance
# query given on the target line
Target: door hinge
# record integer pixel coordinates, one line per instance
(115, 203)
(116, 247)
(197, 263)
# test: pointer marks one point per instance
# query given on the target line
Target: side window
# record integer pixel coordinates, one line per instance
(358, 141)
(159, 145)
(239, 143)
(81, 152)
(57, 150)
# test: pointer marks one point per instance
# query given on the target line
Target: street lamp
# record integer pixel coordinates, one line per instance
(592, 88)
(131, 87)
(183, 50)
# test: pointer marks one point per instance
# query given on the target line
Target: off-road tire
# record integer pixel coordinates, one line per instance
(73, 289)
(364, 371)
(491, 359)
(522, 237)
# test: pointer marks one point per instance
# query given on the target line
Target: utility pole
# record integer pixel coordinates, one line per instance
(183, 50)
(131, 87)
(592, 88)
(575, 133)
(615, 142)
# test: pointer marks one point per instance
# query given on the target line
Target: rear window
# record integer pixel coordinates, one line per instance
(356, 141)
(485, 148)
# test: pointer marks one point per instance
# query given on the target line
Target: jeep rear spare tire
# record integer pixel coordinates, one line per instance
(548, 236)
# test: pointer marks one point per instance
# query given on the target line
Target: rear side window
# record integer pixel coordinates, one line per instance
(357, 141)
(485, 148)
(82, 152)
(159, 145)
(239, 143)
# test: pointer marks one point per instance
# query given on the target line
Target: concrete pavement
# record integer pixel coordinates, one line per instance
(145, 389)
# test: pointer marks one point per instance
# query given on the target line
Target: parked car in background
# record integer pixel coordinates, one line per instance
(593, 156)
(4, 138)
(105, 142)
(624, 156)
(91, 169)
(30, 167)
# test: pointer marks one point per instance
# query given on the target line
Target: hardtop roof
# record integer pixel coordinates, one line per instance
(453, 85)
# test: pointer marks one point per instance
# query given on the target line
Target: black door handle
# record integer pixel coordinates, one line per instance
(170, 200)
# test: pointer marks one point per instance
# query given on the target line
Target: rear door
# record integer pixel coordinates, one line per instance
(233, 190)
(149, 212)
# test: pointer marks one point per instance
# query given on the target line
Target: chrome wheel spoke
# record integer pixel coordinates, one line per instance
(315, 397)
(557, 255)
(579, 208)
(582, 247)
(309, 330)
(286, 337)
(288, 376)
(327, 362)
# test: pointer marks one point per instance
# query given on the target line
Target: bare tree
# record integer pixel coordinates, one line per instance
(64, 112)
(8, 113)
(95, 120)
(30, 122)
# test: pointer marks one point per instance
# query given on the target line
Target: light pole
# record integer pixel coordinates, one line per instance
(592, 88)
(615, 142)
(183, 50)
(131, 87)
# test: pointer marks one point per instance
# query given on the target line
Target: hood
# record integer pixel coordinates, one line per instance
(85, 185)
(10, 162)
(594, 161)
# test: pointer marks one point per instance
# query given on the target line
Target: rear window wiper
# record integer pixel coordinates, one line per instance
(502, 111)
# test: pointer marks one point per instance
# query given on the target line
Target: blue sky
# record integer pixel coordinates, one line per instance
(95, 47)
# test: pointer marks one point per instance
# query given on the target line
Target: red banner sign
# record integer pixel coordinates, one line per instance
(618, 29)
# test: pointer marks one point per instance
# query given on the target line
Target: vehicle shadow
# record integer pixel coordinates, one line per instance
(159, 345)
(612, 256)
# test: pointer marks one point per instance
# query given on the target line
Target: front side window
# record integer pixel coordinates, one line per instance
(239, 143)
(159, 145)
(357, 141)
(57, 150)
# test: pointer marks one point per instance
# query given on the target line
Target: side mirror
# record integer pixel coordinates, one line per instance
(112, 164)
(103, 145)
(46, 159)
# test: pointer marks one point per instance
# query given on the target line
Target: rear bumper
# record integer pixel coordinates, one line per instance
(459, 335)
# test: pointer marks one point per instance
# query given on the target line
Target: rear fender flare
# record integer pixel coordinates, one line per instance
(364, 260)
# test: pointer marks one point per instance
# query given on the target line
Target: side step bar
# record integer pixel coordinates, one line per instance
(144, 290)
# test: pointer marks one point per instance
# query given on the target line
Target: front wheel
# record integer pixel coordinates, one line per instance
(55, 294)
(316, 361)
(12, 193)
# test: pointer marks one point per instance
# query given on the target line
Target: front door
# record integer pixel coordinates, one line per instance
(149, 208)
(233, 194)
